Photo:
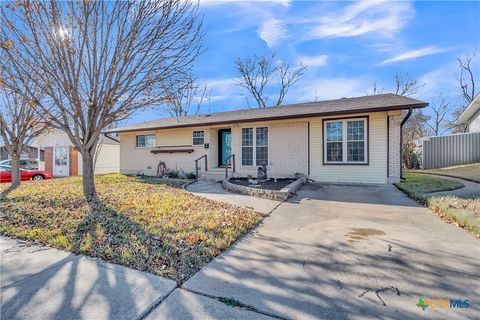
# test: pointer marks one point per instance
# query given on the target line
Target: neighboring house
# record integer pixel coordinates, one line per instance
(471, 116)
(61, 159)
(28, 152)
(344, 140)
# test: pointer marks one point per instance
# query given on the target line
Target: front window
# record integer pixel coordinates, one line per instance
(247, 146)
(346, 141)
(255, 140)
(198, 138)
(146, 141)
(261, 146)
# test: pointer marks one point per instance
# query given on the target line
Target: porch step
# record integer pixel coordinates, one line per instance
(213, 174)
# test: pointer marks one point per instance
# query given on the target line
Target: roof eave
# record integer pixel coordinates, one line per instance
(272, 118)
(468, 113)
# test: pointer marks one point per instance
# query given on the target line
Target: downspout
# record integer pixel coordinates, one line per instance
(407, 116)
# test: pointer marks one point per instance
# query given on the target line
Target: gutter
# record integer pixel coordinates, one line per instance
(407, 116)
(112, 138)
(270, 118)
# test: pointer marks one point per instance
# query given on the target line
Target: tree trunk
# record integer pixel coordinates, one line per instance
(88, 176)
(15, 170)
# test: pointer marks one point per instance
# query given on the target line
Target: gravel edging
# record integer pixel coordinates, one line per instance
(280, 195)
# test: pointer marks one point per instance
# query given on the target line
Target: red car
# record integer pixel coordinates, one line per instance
(6, 174)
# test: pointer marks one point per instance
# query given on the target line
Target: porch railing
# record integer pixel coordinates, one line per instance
(196, 165)
(230, 161)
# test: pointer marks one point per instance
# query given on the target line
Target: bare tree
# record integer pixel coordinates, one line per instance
(258, 73)
(406, 86)
(437, 122)
(376, 89)
(181, 98)
(98, 62)
(466, 80)
(415, 127)
(20, 123)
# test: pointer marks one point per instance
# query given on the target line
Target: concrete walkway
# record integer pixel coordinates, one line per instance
(348, 252)
(39, 282)
(43, 283)
(471, 188)
(214, 191)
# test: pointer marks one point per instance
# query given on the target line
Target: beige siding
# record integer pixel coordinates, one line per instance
(135, 160)
(288, 150)
(374, 172)
(108, 159)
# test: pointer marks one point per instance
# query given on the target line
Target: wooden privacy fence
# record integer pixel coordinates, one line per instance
(452, 150)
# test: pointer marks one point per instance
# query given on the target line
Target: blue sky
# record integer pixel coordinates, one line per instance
(346, 45)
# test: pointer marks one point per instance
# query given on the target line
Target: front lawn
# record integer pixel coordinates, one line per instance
(417, 185)
(463, 211)
(469, 171)
(138, 223)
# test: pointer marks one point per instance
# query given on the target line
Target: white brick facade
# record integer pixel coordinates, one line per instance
(394, 149)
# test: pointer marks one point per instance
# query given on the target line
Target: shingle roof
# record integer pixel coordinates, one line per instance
(381, 102)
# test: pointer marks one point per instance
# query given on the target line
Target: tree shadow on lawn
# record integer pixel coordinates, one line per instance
(6, 192)
(66, 290)
(111, 236)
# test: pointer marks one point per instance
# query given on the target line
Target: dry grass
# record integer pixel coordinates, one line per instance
(143, 225)
(464, 211)
(470, 172)
(417, 185)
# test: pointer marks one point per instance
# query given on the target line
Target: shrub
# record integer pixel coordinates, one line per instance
(173, 174)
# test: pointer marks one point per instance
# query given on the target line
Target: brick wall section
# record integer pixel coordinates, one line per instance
(288, 148)
(49, 159)
(73, 161)
(394, 151)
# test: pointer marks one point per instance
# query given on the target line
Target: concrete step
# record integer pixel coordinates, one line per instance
(211, 176)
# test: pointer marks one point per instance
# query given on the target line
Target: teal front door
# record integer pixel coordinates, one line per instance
(225, 145)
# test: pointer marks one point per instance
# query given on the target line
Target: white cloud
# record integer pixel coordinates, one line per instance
(328, 88)
(413, 54)
(272, 32)
(363, 17)
(440, 80)
(314, 61)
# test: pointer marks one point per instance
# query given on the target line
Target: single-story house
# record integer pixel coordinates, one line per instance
(471, 115)
(28, 152)
(61, 159)
(344, 140)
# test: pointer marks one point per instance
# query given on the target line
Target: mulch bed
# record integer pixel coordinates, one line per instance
(269, 184)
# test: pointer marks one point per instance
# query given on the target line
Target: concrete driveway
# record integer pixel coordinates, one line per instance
(344, 252)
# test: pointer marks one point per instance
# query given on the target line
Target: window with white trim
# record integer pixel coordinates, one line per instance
(198, 138)
(254, 140)
(247, 146)
(146, 140)
(345, 141)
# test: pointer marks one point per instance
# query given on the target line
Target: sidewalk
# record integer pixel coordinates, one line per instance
(39, 282)
(470, 188)
(214, 191)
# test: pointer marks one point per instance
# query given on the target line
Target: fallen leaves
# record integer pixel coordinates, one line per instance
(140, 224)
